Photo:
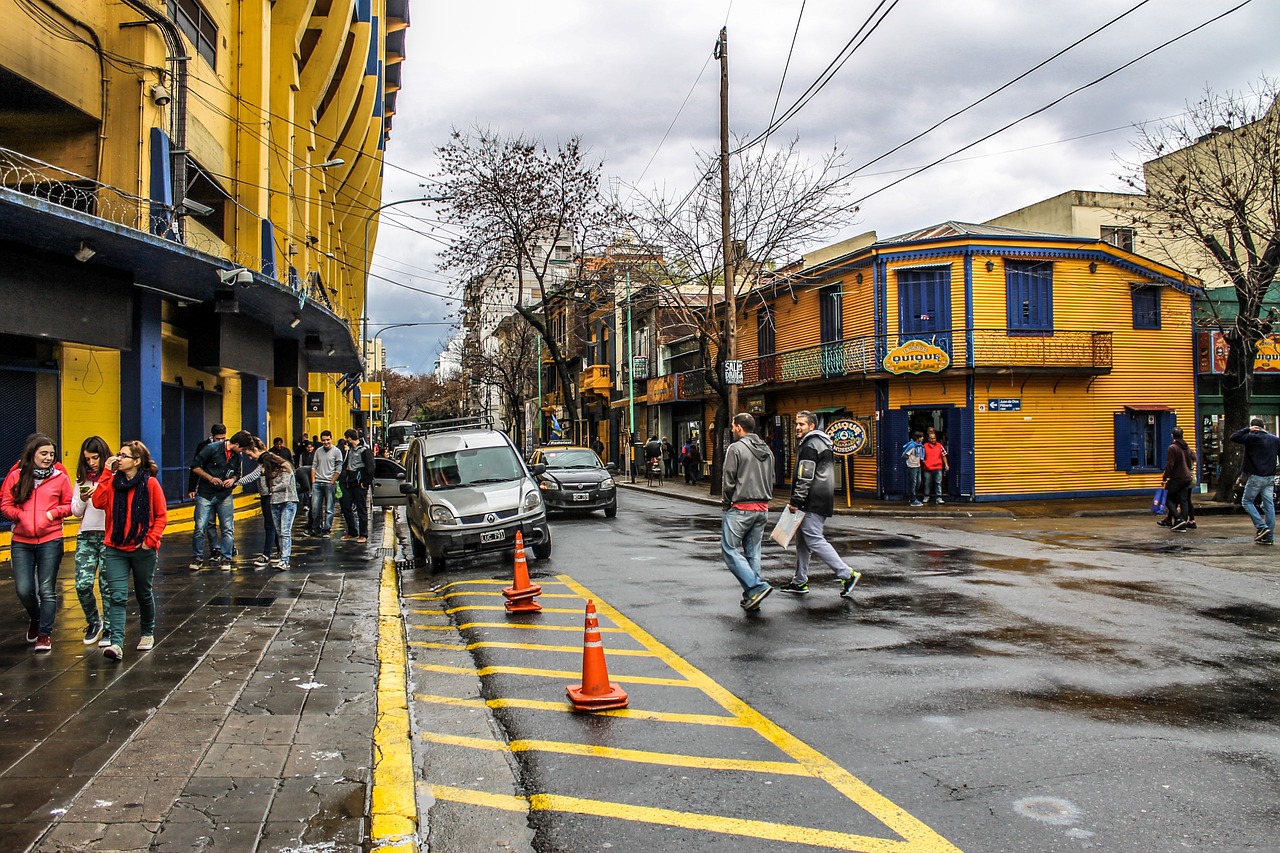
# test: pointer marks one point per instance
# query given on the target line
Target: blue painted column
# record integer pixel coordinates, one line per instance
(140, 377)
(258, 387)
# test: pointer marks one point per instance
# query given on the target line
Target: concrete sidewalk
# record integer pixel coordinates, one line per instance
(248, 727)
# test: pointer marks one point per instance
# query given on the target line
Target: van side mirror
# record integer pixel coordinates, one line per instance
(407, 488)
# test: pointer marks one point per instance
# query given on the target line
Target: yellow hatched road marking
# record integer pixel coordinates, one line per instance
(479, 582)
(516, 625)
(461, 608)
(546, 673)
(565, 707)
(641, 756)
(491, 644)
(921, 838)
(666, 817)
(498, 594)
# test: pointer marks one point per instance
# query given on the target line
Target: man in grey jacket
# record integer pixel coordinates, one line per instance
(813, 492)
(748, 485)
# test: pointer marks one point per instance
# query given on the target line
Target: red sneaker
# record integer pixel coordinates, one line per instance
(44, 644)
(33, 630)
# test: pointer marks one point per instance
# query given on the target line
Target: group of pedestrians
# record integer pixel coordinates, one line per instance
(123, 515)
(747, 488)
(927, 466)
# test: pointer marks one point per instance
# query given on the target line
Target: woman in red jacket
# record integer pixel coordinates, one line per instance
(36, 496)
(130, 495)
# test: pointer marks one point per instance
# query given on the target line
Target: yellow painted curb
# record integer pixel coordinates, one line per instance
(393, 809)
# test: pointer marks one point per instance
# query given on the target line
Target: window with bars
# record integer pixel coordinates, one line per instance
(1029, 295)
(1146, 306)
(198, 27)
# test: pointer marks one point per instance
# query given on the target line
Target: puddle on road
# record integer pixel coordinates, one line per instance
(1248, 615)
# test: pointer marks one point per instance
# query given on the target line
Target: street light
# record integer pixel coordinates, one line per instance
(327, 164)
(365, 349)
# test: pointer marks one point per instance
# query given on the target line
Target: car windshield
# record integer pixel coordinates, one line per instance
(576, 458)
(472, 467)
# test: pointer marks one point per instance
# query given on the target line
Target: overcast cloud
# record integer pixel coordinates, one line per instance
(616, 74)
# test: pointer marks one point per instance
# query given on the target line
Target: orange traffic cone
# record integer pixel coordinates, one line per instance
(521, 594)
(596, 692)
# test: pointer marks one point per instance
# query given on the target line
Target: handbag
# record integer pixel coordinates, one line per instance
(1159, 501)
(785, 530)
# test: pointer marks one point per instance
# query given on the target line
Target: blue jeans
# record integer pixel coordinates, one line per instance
(932, 483)
(282, 515)
(35, 579)
(1265, 488)
(913, 483)
(811, 540)
(740, 532)
(322, 506)
(206, 508)
(119, 566)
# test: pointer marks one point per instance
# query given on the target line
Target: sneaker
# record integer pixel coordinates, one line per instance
(195, 565)
(1164, 522)
(1179, 526)
(147, 643)
(939, 501)
(225, 565)
(281, 565)
(752, 602)
(362, 539)
(917, 503)
(105, 641)
(92, 634)
(847, 585)
(1191, 525)
(1262, 533)
(347, 537)
(795, 588)
(113, 652)
(33, 631)
(261, 561)
(43, 643)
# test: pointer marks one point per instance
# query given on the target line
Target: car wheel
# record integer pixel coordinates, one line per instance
(611, 511)
(543, 551)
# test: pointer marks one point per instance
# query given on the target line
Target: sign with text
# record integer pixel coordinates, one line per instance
(662, 389)
(1213, 349)
(847, 436)
(640, 367)
(733, 372)
(315, 402)
(1004, 404)
(916, 357)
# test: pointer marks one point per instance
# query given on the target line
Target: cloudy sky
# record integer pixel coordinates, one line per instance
(636, 81)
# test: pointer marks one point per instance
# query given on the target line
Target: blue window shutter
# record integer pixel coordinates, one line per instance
(1124, 441)
(1165, 423)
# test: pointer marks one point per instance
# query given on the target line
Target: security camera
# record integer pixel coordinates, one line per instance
(239, 275)
(161, 95)
(194, 207)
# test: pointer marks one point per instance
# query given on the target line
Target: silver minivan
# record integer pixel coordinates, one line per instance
(466, 491)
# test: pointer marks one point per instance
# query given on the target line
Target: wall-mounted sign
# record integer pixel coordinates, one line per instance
(640, 367)
(1213, 349)
(733, 372)
(916, 357)
(315, 402)
(755, 405)
(847, 436)
(662, 389)
(1004, 404)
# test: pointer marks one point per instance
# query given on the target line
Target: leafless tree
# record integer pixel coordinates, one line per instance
(510, 364)
(781, 204)
(1212, 202)
(513, 203)
(422, 396)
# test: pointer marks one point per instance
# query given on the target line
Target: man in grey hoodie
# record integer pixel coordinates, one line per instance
(813, 491)
(748, 485)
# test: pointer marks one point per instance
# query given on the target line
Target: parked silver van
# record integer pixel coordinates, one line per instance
(466, 491)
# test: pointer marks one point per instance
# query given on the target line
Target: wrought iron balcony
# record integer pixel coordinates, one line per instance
(1064, 350)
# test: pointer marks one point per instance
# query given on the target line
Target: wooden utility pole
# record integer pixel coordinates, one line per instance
(730, 350)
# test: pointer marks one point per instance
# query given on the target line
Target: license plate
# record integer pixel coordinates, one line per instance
(581, 496)
(493, 536)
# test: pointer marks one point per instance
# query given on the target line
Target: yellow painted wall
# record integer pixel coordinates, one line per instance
(90, 398)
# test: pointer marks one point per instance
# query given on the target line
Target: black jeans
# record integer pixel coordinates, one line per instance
(1179, 500)
(355, 509)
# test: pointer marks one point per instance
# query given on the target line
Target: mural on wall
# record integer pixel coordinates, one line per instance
(1212, 349)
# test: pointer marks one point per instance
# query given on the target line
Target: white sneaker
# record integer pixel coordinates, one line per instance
(147, 643)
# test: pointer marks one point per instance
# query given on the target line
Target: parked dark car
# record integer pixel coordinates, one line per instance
(575, 480)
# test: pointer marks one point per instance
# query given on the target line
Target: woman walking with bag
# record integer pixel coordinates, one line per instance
(36, 496)
(90, 548)
(130, 494)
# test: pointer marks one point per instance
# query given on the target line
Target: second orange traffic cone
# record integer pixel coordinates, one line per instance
(521, 594)
(596, 692)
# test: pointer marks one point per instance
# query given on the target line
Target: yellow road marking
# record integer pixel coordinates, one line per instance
(393, 808)
(666, 817)
(546, 673)
(463, 607)
(921, 838)
(520, 626)
(481, 582)
(498, 594)
(565, 707)
(640, 756)
(491, 644)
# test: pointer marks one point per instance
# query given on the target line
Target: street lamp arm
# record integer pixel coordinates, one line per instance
(368, 261)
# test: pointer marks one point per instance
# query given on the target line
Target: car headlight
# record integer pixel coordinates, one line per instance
(442, 515)
(533, 500)
(605, 485)
(548, 485)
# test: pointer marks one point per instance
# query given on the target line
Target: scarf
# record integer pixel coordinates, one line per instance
(135, 508)
(42, 474)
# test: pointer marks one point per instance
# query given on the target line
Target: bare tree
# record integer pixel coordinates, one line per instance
(421, 396)
(1212, 202)
(509, 363)
(515, 204)
(781, 204)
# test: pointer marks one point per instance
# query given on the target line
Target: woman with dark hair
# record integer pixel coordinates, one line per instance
(257, 451)
(282, 484)
(130, 494)
(89, 541)
(1179, 472)
(36, 496)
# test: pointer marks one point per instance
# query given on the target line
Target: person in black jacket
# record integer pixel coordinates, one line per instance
(213, 535)
(355, 479)
(813, 488)
(1260, 451)
(217, 466)
(1179, 468)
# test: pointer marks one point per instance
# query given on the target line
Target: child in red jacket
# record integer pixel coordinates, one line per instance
(36, 496)
(131, 496)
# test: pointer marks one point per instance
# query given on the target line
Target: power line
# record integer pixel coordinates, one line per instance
(786, 66)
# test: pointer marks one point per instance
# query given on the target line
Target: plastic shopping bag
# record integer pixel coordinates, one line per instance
(785, 530)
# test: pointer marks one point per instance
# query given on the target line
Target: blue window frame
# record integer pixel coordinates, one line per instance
(1146, 306)
(924, 301)
(1029, 295)
(1141, 438)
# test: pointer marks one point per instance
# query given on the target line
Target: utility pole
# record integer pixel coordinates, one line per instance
(730, 351)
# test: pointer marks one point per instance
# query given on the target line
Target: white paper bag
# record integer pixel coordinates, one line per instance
(785, 530)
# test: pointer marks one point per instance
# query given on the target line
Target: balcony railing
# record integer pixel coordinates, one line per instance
(1062, 349)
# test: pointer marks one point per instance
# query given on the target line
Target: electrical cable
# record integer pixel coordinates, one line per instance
(786, 66)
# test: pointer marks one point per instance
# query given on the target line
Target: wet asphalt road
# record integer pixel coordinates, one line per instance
(1014, 685)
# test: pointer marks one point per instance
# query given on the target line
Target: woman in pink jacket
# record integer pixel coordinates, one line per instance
(36, 496)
